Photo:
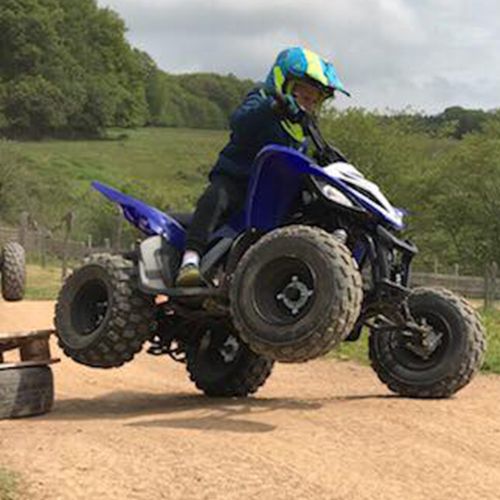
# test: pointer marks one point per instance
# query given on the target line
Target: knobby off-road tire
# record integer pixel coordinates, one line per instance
(221, 365)
(102, 319)
(454, 362)
(26, 391)
(13, 271)
(296, 294)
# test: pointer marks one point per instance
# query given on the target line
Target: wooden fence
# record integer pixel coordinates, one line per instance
(469, 286)
(40, 244)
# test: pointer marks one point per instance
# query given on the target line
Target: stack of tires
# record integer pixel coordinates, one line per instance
(25, 391)
(13, 271)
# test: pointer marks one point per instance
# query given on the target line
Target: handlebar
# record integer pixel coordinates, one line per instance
(326, 152)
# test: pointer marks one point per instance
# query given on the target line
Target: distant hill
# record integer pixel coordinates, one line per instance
(66, 69)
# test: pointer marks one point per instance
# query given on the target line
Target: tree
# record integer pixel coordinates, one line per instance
(65, 66)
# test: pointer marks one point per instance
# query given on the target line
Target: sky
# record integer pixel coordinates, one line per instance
(420, 55)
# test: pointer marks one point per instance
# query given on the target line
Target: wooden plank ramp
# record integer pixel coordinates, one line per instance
(33, 346)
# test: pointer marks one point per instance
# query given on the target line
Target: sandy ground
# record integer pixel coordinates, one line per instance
(323, 430)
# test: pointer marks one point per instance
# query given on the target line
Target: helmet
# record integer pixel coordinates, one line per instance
(297, 63)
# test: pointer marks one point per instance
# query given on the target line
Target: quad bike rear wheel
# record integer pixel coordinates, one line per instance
(458, 345)
(13, 269)
(102, 318)
(296, 294)
(221, 365)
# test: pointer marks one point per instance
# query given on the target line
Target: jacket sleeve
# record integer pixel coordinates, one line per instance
(253, 112)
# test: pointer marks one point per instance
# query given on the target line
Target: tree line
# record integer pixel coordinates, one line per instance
(66, 69)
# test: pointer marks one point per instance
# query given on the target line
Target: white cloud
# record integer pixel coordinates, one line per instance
(427, 54)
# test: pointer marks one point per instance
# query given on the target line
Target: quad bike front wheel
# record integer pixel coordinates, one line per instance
(13, 270)
(296, 294)
(221, 365)
(456, 347)
(102, 318)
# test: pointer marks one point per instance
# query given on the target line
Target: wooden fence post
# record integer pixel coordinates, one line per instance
(490, 284)
(23, 229)
(456, 272)
(42, 250)
(117, 240)
(68, 220)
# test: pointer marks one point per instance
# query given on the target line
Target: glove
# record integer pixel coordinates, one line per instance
(288, 107)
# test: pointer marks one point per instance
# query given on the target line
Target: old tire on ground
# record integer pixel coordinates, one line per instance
(221, 365)
(26, 391)
(102, 319)
(451, 366)
(13, 271)
(295, 294)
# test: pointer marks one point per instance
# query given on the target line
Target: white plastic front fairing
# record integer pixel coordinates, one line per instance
(342, 169)
(365, 191)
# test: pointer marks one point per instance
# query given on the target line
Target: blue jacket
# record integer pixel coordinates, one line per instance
(253, 125)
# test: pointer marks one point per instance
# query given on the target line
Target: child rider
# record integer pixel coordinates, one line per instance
(304, 81)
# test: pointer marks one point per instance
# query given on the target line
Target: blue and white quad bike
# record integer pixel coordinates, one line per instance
(284, 283)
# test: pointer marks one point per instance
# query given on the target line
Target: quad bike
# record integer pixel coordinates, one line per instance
(13, 271)
(283, 283)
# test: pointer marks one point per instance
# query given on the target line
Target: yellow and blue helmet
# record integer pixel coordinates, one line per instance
(297, 63)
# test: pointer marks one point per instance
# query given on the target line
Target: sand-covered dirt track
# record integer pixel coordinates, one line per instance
(323, 430)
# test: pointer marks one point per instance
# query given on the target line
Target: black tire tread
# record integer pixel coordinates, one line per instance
(13, 272)
(331, 331)
(252, 373)
(131, 318)
(26, 391)
(462, 375)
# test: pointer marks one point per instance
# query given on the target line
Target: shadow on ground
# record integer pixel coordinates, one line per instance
(201, 412)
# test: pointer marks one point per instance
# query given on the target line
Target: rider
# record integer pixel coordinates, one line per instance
(304, 81)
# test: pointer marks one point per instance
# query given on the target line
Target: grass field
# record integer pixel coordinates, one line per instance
(43, 283)
(170, 164)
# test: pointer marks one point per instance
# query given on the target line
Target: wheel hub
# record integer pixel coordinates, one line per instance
(295, 295)
(425, 342)
(100, 313)
(89, 307)
(229, 349)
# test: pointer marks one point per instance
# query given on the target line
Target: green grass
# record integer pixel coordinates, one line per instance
(42, 283)
(353, 351)
(169, 163)
(491, 320)
(8, 485)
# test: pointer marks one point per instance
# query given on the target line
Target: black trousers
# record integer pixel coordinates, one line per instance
(223, 197)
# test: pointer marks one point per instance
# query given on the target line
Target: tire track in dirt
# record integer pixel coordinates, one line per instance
(325, 429)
